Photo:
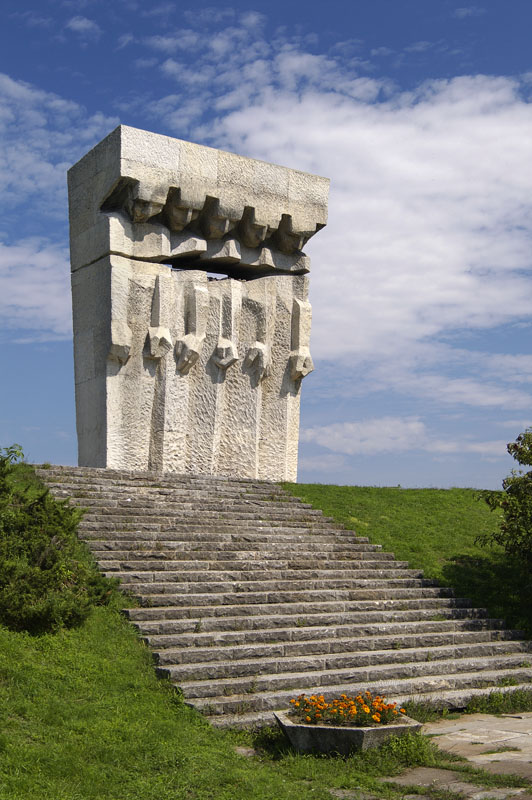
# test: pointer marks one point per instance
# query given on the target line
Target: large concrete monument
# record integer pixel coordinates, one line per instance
(176, 370)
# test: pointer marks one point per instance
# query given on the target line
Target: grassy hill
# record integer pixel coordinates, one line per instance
(83, 715)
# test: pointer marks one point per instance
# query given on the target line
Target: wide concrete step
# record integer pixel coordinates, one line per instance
(260, 581)
(275, 669)
(117, 494)
(193, 594)
(370, 636)
(215, 530)
(203, 605)
(197, 507)
(181, 548)
(113, 477)
(400, 679)
(294, 627)
(126, 514)
(222, 569)
(342, 647)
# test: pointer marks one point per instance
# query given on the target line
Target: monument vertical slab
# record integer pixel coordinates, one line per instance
(190, 306)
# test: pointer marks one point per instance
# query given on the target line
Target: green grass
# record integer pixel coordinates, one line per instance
(434, 530)
(83, 716)
(426, 527)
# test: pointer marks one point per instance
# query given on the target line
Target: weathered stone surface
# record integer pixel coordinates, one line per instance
(342, 740)
(175, 371)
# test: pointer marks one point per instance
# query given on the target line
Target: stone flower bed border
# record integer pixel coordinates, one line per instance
(342, 740)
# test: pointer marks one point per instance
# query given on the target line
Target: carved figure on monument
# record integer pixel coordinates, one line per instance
(176, 370)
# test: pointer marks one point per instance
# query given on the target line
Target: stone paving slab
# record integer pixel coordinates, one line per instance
(477, 736)
(450, 781)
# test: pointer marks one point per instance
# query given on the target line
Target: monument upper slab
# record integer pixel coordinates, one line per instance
(181, 197)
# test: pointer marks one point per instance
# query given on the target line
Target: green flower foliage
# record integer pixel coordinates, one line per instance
(47, 580)
(515, 502)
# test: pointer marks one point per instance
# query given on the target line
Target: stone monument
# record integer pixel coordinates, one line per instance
(190, 306)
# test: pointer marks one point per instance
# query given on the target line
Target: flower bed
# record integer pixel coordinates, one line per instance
(343, 724)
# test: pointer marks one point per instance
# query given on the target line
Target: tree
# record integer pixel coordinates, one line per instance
(515, 502)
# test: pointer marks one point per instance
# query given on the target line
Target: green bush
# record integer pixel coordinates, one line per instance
(515, 502)
(47, 580)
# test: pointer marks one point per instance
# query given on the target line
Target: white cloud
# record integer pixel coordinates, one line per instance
(86, 28)
(252, 19)
(124, 40)
(384, 435)
(34, 290)
(42, 135)
(169, 43)
(33, 20)
(430, 215)
(322, 464)
(382, 51)
(468, 11)
(162, 10)
(369, 437)
(419, 47)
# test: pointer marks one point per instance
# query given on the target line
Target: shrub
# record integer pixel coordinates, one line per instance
(515, 501)
(47, 580)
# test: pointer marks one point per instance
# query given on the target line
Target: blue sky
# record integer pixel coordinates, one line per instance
(420, 113)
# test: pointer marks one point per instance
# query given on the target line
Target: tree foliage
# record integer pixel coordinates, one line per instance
(515, 503)
(47, 580)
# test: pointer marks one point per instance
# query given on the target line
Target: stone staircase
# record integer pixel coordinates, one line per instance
(249, 597)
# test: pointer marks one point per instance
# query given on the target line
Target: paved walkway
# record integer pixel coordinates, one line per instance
(501, 744)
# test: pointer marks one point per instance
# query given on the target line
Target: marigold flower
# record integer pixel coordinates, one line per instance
(366, 709)
(376, 718)
(308, 719)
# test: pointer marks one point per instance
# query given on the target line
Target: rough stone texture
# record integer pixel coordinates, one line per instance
(176, 371)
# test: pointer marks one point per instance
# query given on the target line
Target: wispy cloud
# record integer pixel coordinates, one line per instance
(468, 11)
(33, 20)
(34, 290)
(419, 47)
(160, 10)
(386, 435)
(84, 27)
(124, 40)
